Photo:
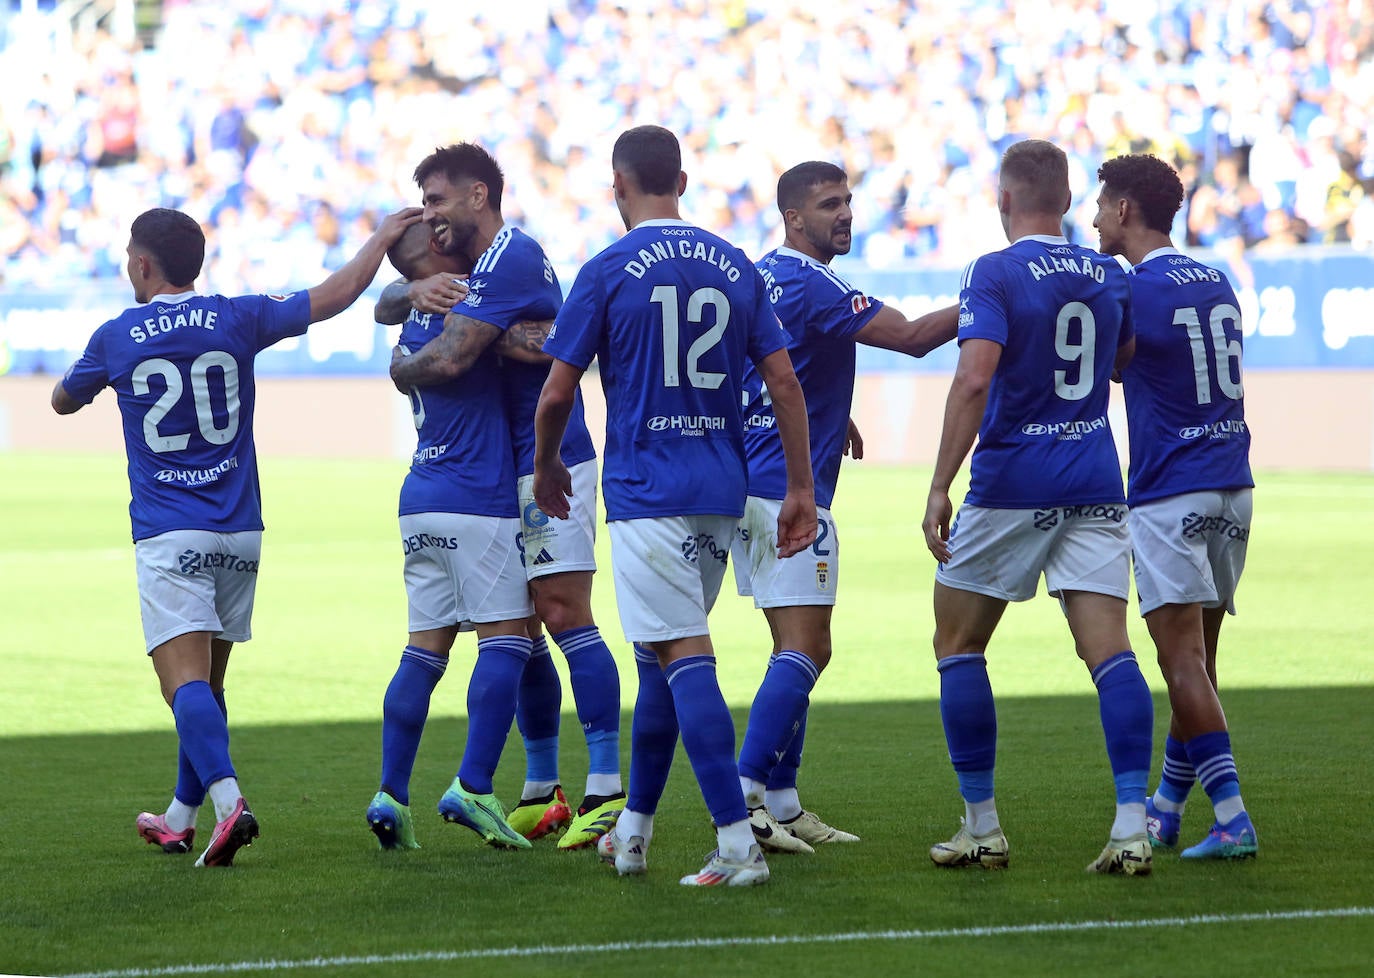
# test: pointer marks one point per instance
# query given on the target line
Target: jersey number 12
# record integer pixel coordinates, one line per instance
(666, 296)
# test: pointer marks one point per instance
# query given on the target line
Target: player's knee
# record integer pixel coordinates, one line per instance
(561, 613)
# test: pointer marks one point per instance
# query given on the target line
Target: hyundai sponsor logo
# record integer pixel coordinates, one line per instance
(196, 477)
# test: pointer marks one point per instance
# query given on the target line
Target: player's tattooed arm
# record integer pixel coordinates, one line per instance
(394, 305)
(524, 341)
(437, 294)
(446, 357)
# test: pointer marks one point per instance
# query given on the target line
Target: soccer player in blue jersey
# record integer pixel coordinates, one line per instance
(1042, 326)
(671, 312)
(824, 317)
(513, 283)
(1189, 487)
(459, 528)
(181, 366)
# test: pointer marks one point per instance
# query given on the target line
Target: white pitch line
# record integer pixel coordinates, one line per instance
(1061, 927)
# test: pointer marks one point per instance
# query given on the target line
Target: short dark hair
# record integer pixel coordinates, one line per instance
(174, 240)
(1041, 171)
(1149, 183)
(796, 183)
(652, 156)
(410, 249)
(464, 161)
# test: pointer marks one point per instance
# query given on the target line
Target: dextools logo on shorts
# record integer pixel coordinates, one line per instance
(693, 547)
(193, 562)
(1197, 525)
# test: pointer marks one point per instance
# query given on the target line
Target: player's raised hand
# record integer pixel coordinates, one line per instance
(438, 293)
(796, 523)
(935, 526)
(394, 225)
(552, 487)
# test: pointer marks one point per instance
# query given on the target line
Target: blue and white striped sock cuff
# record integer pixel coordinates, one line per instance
(425, 659)
(1120, 659)
(646, 656)
(691, 663)
(575, 640)
(512, 645)
(798, 660)
(540, 646)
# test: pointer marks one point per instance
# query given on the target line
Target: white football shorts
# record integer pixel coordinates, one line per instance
(1191, 548)
(462, 568)
(808, 578)
(553, 546)
(1003, 552)
(667, 573)
(197, 581)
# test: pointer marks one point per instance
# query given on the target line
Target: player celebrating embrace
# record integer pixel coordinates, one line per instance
(1042, 326)
(1189, 486)
(181, 365)
(671, 312)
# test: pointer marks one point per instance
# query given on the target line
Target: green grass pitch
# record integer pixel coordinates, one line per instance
(85, 742)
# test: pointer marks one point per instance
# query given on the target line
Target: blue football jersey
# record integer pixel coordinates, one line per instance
(462, 461)
(671, 313)
(514, 281)
(820, 313)
(181, 367)
(1185, 402)
(1059, 312)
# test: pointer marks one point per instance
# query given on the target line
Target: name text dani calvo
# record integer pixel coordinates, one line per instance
(679, 248)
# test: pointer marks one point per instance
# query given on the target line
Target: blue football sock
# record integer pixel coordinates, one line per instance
(405, 707)
(784, 776)
(1128, 716)
(491, 707)
(189, 791)
(1211, 757)
(970, 720)
(203, 731)
(708, 734)
(537, 705)
(776, 715)
(596, 689)
(1177, 776)
(653, 735)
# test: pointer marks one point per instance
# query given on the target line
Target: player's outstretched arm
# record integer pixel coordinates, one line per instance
(341, 290)
(890, 330)
(797, 516)
(552, 481)
(968, 396)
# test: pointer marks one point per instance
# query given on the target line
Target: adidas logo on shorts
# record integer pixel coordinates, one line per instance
(543, 557)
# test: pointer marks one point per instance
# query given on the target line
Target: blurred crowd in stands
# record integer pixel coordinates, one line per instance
(286, 126)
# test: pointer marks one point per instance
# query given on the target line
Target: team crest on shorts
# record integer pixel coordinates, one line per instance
(823, 576)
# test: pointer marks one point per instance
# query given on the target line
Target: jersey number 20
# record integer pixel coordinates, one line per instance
(201, 368)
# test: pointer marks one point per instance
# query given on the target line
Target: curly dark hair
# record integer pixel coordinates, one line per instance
(1149, 183)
